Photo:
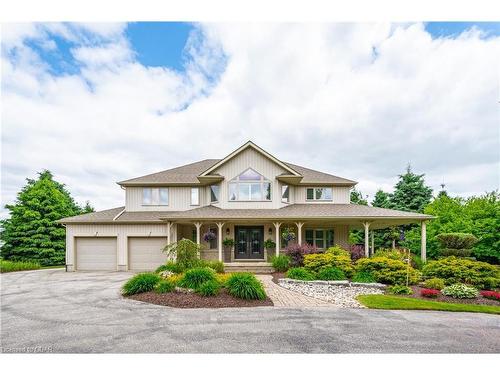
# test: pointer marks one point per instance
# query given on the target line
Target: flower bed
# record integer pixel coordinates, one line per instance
(480, 300)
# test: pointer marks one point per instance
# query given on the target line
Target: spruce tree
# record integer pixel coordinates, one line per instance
(410, 192)
(31, 232)
(357, 198)
(381, 199)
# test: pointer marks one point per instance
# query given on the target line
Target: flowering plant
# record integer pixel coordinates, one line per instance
(429, 293)
(209, 236)
(490, 294)
(288, 234)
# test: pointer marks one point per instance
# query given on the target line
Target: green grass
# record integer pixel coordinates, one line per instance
(380, 301)
(9, 266)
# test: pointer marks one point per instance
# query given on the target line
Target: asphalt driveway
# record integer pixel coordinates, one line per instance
(55, 311)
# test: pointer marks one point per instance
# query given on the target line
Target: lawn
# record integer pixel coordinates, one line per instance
(380, 301)
(9, 266)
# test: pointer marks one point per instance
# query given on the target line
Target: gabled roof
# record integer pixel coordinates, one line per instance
(201, 172)
(239, 150)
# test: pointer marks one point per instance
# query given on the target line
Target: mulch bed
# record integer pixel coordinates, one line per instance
(193, 300)
(442, 298)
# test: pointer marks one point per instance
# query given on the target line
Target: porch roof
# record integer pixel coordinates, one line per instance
(297, 211)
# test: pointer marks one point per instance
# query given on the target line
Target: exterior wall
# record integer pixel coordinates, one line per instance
(340, 194)
(120, 231)
(179, 199)
(250, 159)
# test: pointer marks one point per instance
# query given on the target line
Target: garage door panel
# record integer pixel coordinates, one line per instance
(96, 254)
(145, 253)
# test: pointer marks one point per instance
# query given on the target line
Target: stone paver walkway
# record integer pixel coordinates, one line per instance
(286, 298)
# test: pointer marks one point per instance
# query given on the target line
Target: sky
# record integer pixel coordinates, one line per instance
(98, 103)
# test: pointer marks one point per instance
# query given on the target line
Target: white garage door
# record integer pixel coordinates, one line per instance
(96, 253)
(145, 253)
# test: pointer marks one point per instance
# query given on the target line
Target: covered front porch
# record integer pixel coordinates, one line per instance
(251, 241)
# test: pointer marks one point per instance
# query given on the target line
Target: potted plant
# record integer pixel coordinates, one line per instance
(228, 242)
(269, 244)
(288, 234)
(209, 236)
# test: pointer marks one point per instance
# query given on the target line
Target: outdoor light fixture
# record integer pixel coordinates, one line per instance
(227, 231)
(270, 231)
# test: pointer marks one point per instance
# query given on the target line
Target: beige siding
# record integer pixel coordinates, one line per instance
(121, 232)
(179, 199)
(340, 194)
(250, 159)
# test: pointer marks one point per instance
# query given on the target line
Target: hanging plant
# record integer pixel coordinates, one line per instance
(288, 234)
(209, 236)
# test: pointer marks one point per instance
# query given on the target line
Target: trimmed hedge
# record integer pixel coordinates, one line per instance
(455, 270)
(388, 271)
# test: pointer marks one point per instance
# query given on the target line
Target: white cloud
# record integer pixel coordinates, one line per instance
(356, 100)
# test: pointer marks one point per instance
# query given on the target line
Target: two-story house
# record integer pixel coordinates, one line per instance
(249, 196)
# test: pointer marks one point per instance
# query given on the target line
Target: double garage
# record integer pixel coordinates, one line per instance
(101, 253)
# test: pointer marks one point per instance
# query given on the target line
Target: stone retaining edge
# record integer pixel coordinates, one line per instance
(345, 283)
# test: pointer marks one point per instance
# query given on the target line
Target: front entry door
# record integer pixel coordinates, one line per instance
(249, 242)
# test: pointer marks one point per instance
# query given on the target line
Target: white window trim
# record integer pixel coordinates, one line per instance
(155, 197)
(325, 236)
(314, 194)
(210, 193)
(236, 181)
(285, 200)
(197, 195)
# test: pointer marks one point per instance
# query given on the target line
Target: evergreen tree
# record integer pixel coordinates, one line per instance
(357, 198)
(31, 232)
(410, 192)
(381, 199)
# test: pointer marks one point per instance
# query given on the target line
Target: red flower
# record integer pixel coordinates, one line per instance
(429, 293)
(490, 294)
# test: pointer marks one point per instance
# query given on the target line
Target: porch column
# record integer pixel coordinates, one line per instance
(169, 230)
(277, 226)
(373, 242)
(219, 242)
(198, 226)
(299, 232)
(423, 245)
(367, 242)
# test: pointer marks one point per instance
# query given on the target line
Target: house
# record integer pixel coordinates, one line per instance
(249, 196)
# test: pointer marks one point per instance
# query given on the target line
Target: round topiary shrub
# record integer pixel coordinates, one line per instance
(331, 273)
(209, 288)
(165, 286)
(460, 291)
(194, 277)
(300, 273)
(434, 283)
(140, 283)
(245, 285)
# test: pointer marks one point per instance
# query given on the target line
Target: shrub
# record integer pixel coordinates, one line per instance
(222, 278)
(331, 273)
(170, 266)
(315, 262)
(209, 288)
(434, 283)
(140, 283)
(416, 262)
(297, 252)
(399, 289)
(280, 263)
(391, 254)
(165, 286)
(456, 240)
(429, 293)
(176, 278)
(388, 271)
(228, 242)
(363, 277)
(300, 273)
(194, 277)
(460, 291)
(490, 294)
(245, 285)
(458, 270)
(185, 252)
(216, 265)
(337, 250)
(269, 244)
(10, 266)
(357, 252)
(463, 253)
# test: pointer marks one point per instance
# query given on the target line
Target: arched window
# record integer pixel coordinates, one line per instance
(249, 186)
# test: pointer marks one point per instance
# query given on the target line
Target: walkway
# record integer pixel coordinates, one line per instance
(282, 297)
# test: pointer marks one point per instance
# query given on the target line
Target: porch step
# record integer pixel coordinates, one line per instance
(254, 267)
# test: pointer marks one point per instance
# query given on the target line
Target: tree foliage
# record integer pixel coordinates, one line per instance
(381, 199)
(357, 198)
(410, 192)
(31, 233)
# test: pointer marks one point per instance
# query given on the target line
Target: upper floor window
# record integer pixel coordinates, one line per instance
(319, 194)
(214, 193)
(195, 196)
(155, 196)
(250, 186)
(285, 193)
